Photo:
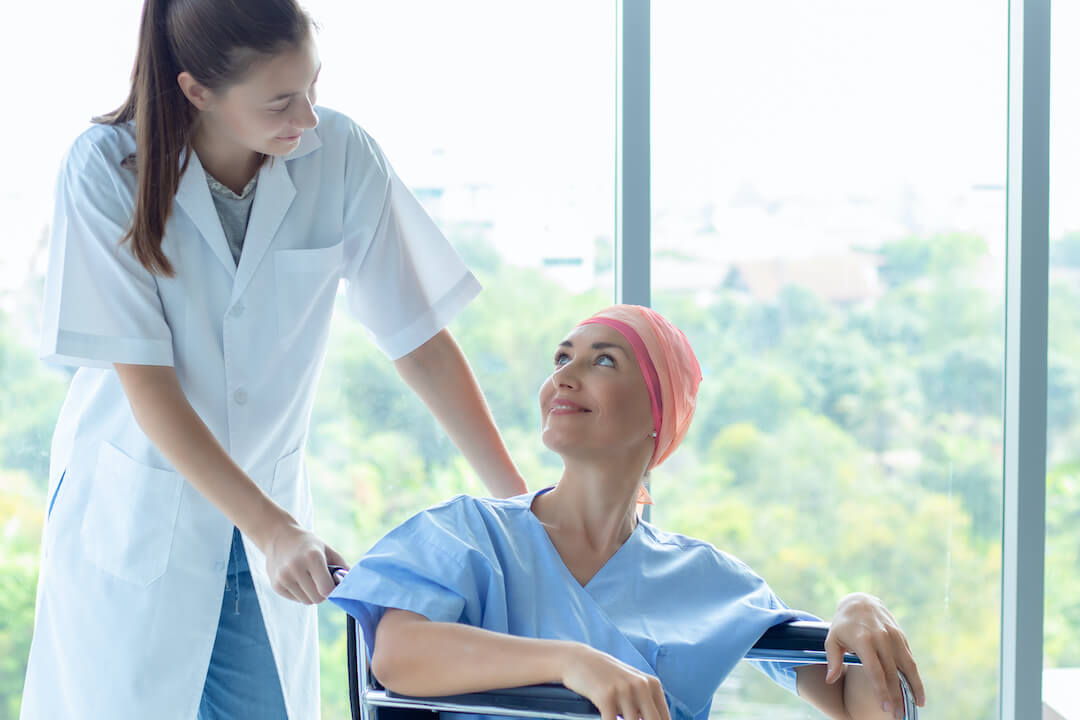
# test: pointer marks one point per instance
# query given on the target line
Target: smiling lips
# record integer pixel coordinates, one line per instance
(566, 407)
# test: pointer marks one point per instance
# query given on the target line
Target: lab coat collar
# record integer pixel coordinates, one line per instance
(274, 194)
(193, 196)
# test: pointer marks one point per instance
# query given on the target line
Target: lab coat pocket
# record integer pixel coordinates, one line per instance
(130, 517)
(290, 489)
(307, 282)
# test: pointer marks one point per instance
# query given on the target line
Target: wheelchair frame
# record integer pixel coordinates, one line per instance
(798, 641)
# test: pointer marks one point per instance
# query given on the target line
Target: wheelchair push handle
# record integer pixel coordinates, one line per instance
(337, 572)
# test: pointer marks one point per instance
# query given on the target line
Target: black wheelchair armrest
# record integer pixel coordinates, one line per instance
(553, 699)
(795, 635)
(798, 640)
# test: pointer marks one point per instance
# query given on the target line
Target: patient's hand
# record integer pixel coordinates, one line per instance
(617, 689)
(864, 626)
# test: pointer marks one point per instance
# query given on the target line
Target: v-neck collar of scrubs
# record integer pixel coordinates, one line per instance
(547, 543)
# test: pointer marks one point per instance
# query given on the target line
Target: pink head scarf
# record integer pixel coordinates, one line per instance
(670, 369)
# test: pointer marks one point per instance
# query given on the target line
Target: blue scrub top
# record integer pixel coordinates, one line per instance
(669, 605)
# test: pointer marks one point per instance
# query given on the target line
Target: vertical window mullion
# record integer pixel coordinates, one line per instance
(633, 207)
(633, 214)
(1026, 308)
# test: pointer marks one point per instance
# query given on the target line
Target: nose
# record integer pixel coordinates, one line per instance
(306, 117)
(565, 376)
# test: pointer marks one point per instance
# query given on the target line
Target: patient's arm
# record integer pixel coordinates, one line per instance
(415, 656)
(853, 696)
(862, 625)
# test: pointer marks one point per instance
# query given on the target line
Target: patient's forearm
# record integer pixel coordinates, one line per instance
(852, 697)
(860, 699)
(415, 656)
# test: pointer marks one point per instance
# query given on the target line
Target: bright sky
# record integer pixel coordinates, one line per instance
(865, 99)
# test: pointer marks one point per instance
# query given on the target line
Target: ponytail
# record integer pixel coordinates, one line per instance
(214, 41)
(163, 118)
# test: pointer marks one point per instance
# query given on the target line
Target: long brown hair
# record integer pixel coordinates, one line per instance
(216, 41)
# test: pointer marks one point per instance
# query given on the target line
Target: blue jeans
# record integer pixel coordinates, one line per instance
(242, 681)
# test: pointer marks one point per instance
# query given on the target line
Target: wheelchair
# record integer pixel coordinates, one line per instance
(798, 641)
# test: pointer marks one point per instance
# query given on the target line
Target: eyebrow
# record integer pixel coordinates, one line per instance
(283, 96)
(598, 346)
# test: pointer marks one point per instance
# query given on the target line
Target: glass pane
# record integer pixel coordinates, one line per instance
(499, 118)
(828, 228)
(1061, 651)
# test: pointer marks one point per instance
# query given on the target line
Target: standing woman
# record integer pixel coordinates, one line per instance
(199, 236)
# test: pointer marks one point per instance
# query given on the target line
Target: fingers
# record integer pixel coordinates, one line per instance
(893, 694)
(283, 591)
(314, 578)
(607, 709)
(333, 557)
(907, 666)
(896, 657)
(873, 670)
(300, 585)
(834, 657)
(881, 665)
(659, 700)
(324, 583)
(304, 588)
(631, 694)
(867, 627)
(298, 569)
(645, 700)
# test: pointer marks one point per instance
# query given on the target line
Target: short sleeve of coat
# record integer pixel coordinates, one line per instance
(101, 305)
(435, 564)
(404, 281)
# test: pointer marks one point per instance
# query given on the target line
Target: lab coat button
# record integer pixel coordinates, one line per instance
(240, 396)
(237, 310)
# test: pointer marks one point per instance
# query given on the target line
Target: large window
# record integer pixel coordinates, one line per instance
(828, 228)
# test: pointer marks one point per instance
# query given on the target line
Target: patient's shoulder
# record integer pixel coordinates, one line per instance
(696, 555)
(469, 517)
(472, 505)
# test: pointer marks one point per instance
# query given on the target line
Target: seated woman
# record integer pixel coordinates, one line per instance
(568, 585)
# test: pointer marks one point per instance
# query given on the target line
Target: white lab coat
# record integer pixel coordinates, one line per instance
(134, 558)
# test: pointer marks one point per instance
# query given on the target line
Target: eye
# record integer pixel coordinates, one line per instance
(561, 358)
(283, 108)
(605, 360)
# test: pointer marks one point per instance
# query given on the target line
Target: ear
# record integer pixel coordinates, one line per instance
(197, 94)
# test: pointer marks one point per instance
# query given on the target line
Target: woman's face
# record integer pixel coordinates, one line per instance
(595, 403)
(270, 108)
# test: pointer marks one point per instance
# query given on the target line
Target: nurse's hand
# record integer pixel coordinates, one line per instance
(296, 562)
(864, 626)
(615, 688)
